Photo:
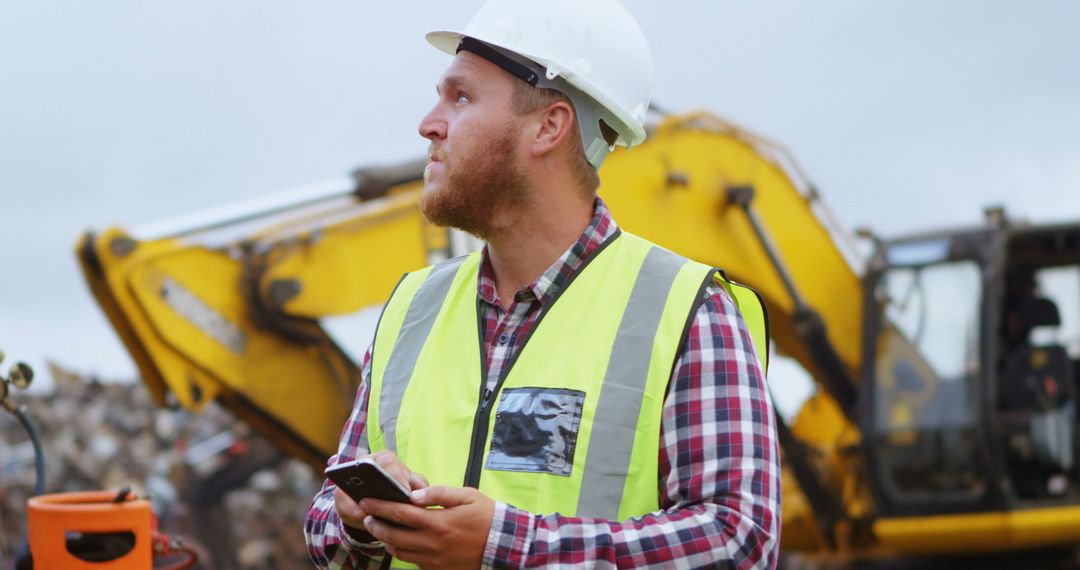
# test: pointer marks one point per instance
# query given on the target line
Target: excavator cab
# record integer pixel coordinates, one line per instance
(971, 351)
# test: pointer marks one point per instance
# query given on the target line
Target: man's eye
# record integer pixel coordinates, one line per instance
(462, 98)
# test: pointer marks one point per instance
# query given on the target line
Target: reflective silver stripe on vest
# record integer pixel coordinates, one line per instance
(617, 411)
(415, 328)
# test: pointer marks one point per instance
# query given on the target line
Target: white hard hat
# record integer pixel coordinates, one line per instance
(593, 46)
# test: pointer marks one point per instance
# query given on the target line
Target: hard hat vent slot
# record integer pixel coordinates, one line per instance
(609, 134)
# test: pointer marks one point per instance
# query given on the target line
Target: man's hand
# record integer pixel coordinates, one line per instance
(349, 510)
(392, 465)
(451, 537)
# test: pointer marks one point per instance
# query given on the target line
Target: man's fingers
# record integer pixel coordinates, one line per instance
(384, 457)
(399, 513)
(383, 531)
(442, 496)
(392, 464)
(417, 481)
(348, 510)
(397, 538)
(454, 536)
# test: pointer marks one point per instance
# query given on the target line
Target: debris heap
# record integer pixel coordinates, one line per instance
(216, 485)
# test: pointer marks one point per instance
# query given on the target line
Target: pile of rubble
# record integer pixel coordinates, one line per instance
(221, 489)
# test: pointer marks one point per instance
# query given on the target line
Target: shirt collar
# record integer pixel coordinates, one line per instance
(555, 277)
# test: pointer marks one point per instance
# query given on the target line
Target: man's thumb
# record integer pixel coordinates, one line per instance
(440, 496)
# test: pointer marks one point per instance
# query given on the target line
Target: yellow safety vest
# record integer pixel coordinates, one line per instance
(573, 425)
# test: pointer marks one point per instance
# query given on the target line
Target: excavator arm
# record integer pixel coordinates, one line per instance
(228, 307)
(196, 306)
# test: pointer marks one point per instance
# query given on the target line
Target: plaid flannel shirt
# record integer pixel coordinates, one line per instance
(719, 458)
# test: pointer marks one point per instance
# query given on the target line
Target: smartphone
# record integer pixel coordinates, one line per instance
(365, 479)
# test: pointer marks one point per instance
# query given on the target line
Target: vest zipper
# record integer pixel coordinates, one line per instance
(479, 437)
(483, 410)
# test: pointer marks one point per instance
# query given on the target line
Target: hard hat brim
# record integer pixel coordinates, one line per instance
(448, 41)
(445, 41)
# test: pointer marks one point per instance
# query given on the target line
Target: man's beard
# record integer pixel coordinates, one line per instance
(483, 191)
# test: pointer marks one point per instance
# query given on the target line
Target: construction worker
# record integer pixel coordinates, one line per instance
(572, 395)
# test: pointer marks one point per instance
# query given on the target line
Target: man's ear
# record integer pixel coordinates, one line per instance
(555, 125)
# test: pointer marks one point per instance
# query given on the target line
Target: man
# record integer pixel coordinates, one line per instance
(574, 394)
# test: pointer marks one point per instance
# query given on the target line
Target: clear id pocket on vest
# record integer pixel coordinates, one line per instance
(536, 430)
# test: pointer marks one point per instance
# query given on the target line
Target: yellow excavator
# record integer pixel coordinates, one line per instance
(944, 418)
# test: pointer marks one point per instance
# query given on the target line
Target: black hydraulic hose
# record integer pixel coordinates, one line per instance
(809, 326)
(39, 455)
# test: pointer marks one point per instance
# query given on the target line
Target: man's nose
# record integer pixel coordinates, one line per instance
(433, 125)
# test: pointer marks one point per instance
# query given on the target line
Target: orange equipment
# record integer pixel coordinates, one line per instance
(53, 517)
(100, 530)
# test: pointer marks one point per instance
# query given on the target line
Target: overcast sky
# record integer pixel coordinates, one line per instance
(907, 114)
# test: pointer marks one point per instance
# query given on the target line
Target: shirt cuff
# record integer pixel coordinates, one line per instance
(508, 541)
